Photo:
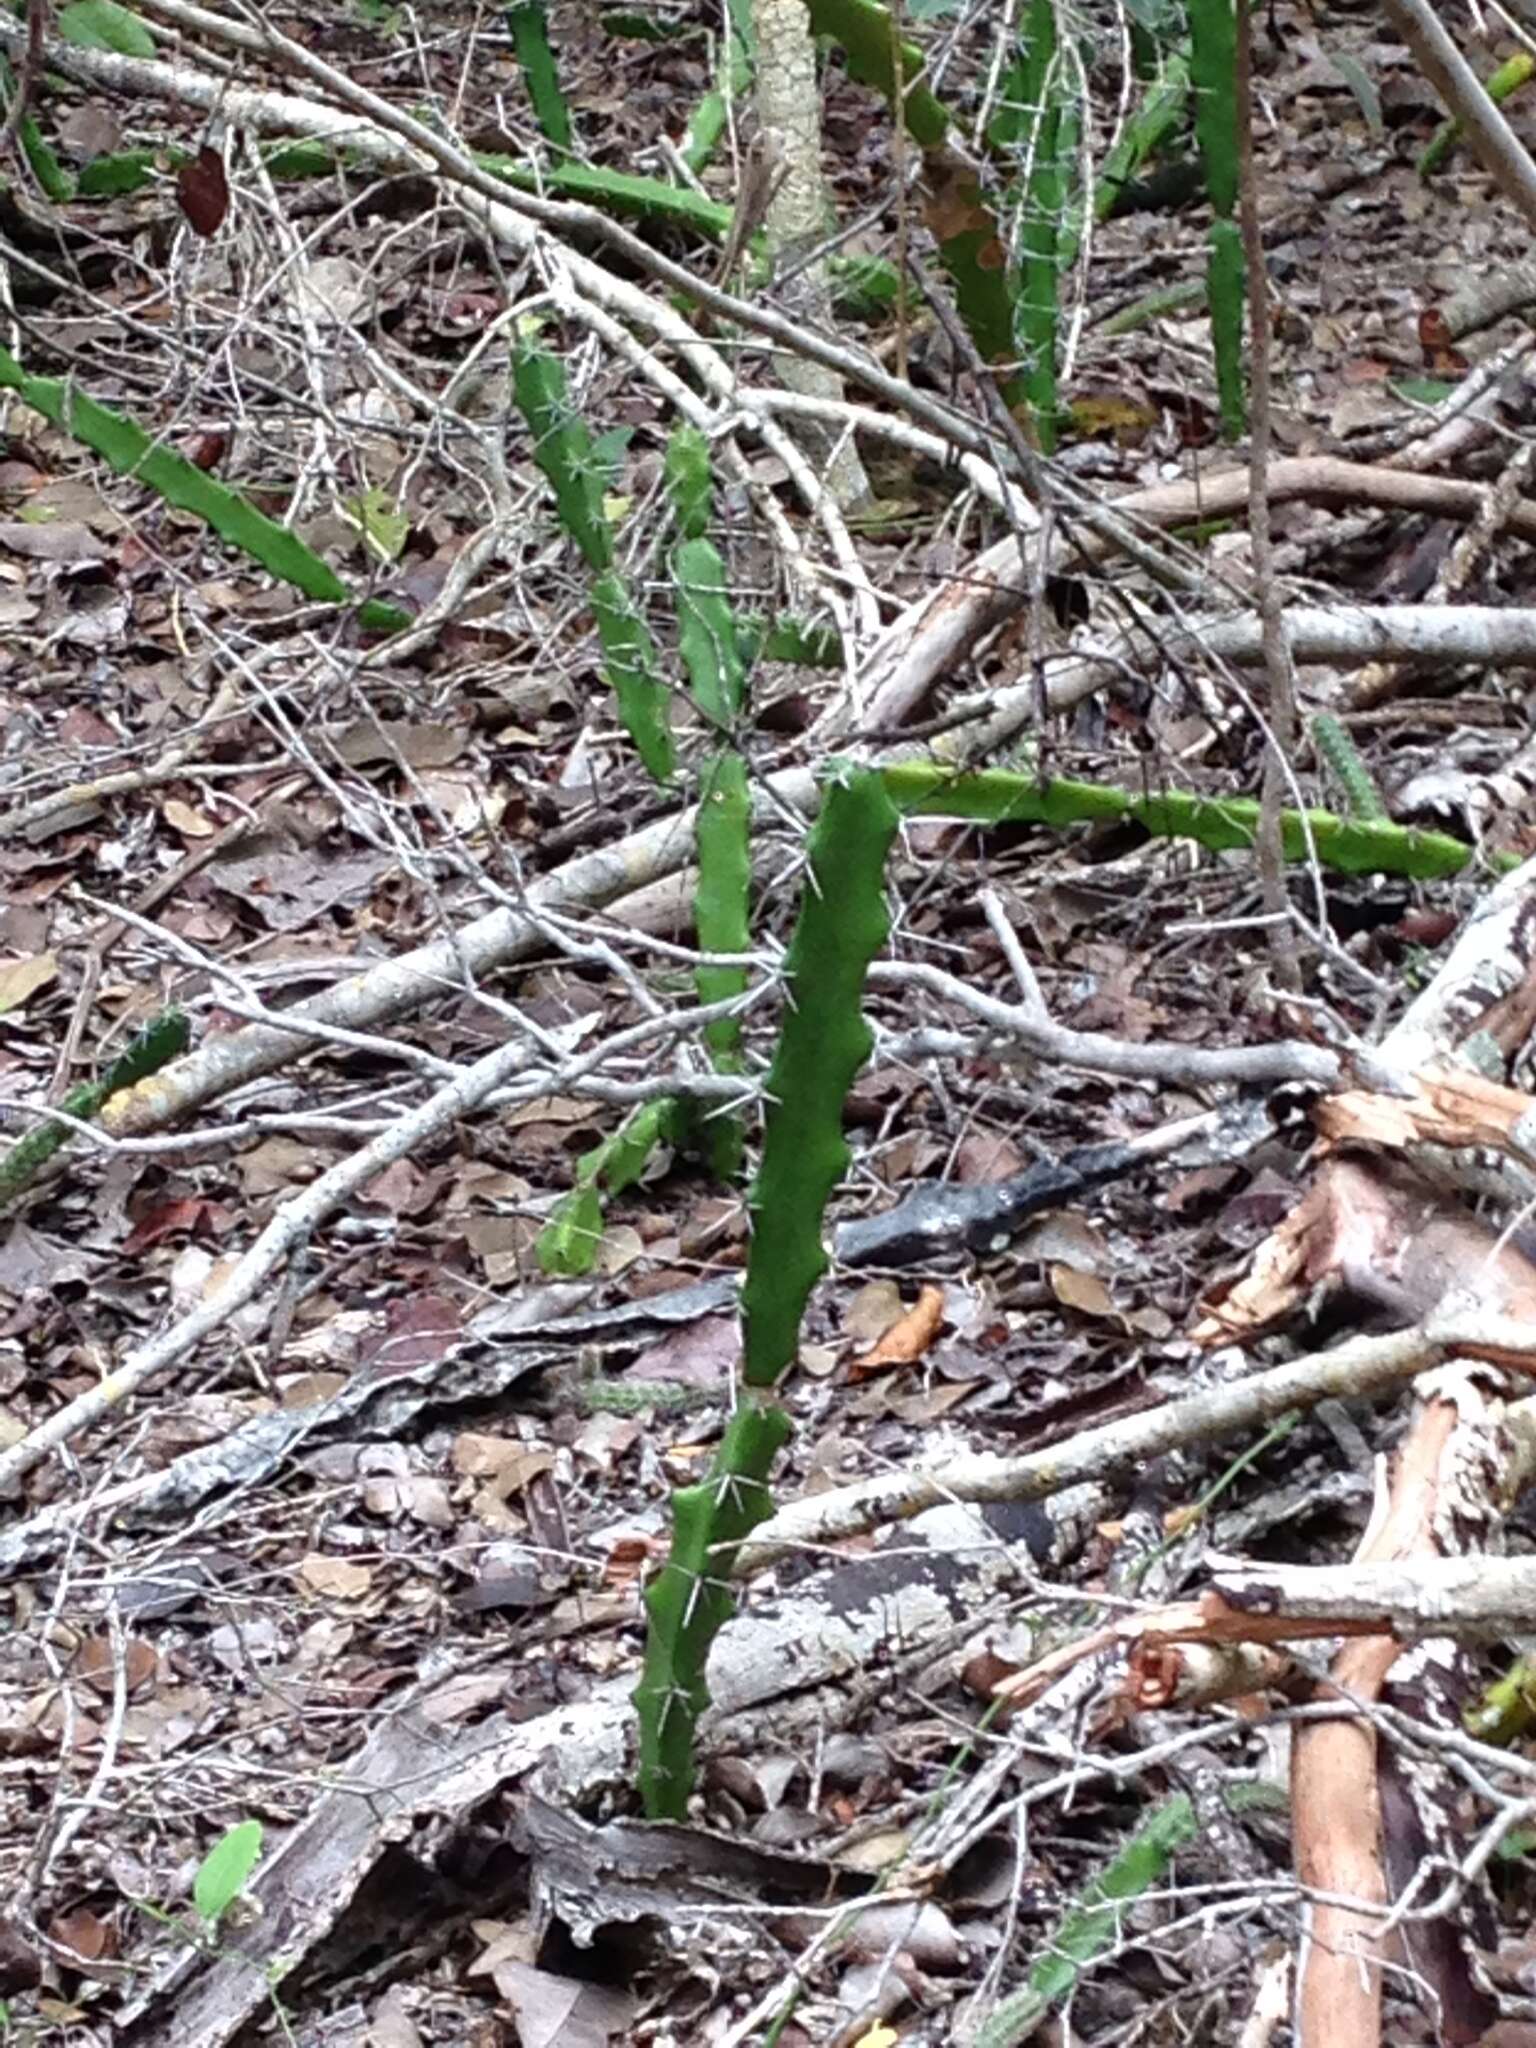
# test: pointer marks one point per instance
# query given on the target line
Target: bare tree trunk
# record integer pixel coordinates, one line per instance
(789, 110)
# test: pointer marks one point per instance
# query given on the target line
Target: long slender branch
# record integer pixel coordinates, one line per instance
(394, 987)
(1353, 1370)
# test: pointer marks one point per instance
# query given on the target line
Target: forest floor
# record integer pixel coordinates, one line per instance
(296, 802)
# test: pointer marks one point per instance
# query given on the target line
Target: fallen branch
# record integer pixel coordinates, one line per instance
(604, 877)
(1362, 1367)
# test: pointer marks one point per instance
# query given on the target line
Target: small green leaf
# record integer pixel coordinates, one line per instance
(103, 25)
(223, 1871)
(1420, 390)
(1093, 1924)
(385, 528)
(568, 1242)
(111, 177)
(1363, 86)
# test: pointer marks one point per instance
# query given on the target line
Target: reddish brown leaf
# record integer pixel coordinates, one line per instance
(85, 1933)
(189, 1214)
(906, 1341)
(203, 191)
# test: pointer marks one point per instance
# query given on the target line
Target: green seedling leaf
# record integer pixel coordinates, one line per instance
(50, 174)
(567, 1245)
(793, 640)
(608, 451)
(863, 287)
(1420, 390)
(222, 1874)
(301, 159)
(55, 182)
(632, 27)
(131, 452)
(1514, 72)
(707, 635)
(1153, 305)
(624, 193)
(562, 448)
(972, 248)
(1505, 1710)
(103, 25)
(733, 82)
(1363, 86)
(629, 1151)
(1158, 120)
(1155, 18)
(384, 527)
(110, 177)
(530, 41)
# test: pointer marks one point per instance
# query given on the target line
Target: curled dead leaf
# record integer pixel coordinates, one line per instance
(907, 1340)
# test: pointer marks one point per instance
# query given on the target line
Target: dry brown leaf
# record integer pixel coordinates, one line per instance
(97, 1661)
(906, 1341)
(310, 1389)
(184, 819)
(1063, 1235)
(277, 1162)
(338, 1577)
(876, 1308)
(477, 1456)
(550, 1109)
(462, 1695)
(84, 1933)
(933, 1404)
(20, 979)
(1085, 1292)
(549, 2010)
(984, 1157)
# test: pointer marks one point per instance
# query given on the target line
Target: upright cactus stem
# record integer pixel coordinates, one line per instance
(1213, 74)
(822, 1043)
